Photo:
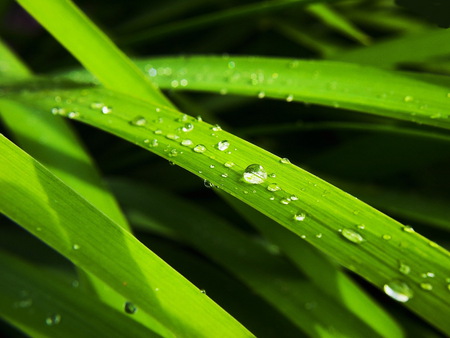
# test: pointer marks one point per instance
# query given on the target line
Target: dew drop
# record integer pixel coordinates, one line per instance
(53, 319)
(224, 175)
(228, 164)
(203, 291)
(188, 127)
(73, 115)
(404, 269)
(151, 143)
(208, 184)
(398, 290)
(75, 247)
(285, 201)
(172, 137)
(426, 286)
(216, 128)
(130, 308)
(139, 121)
(387, 237)
(285, 160)
(319, 235)
(223, 145)
(273, 187)
(58, 111)
(186, 143)
(173, 153)
(293, 198)
(261, 95)
(408, 229)
(254, 174)
(408, 98)
(352, 236)
(290, 98)
(299, 217)
(106, 110)
(199, 148)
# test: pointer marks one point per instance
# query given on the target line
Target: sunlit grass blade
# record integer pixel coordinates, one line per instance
(267, 274)
(92, 48)
(45, 306)
(416, 98)
(377, 253)
(65, 221)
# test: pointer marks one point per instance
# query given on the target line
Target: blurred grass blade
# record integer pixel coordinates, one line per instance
(322, 272)
(92, 48)
(47, 307)
(268, 275)
(418, 98)
(304, 204)
(65, 221)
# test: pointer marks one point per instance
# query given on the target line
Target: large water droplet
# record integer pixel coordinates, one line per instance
(130, 308)
(223, 145)
(299, 217)
(352, 236)
(398, 290)
(138, 121)
(255, 174)
(199, 148)
(53, 319)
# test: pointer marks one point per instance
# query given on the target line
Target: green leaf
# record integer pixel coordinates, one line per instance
(64, 220)
(44, 306)
(304, 204)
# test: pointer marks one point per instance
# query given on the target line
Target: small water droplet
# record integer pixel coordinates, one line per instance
(208, 184)
(97, 105)
(290, 98)
(361, 226)
(285, 160)
(53, 319)
(254, 174)
(398, 290)
(319, 235)
(212, 166)
(404, 269)
(293, 198)
(223, 145)
(216, 128)
(151, 143)
(408, 98)
(139, 121)
(173, 153)
(203, 291)
(130, 308)
(299, 217)
(172, 137)
(58, 111)
(184, 82)
(174, 83)
(186, 143)
(285, 201)
(293, 64)
(352, 236)
(224, 175)
(261, 95)
(273, 187)
(199, 118)
(73, 115)
(426, 286)
(273, 175)
(228, 164)
(188, 127)
(106, 110)
(199, 148)
(387, 237)
(75, 247)
(408, 229)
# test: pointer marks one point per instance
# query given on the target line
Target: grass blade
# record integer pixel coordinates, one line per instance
(57, 215)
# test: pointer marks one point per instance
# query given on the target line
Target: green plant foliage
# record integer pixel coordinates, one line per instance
(196, 130)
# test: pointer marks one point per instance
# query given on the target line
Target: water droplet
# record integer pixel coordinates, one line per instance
(290, 98)
(174, 83)
(75, 247)
(285, 160)
(53, 319)
(387, 237)
(285, 201)
(151, 143)
(223, 145)
(186, 143)
(58, 111)
(199, 118)
(208, 184)
(300, 216)
(272, 175)
(172, 137)
(203, 291)
(231, 65)
(228, 164)
(106, 110)
(216, 128)
(352, 236)
(223, 91)
(139, 121)
(184, 82)
(261, 95)
(188, 127)
(130, 308)
(173, 153)
(426, 286)
(224, 175)
(408, 98)
(319, 235)
(273, 187)
(361, 226)
(212, 166)
(255, 174)
(404, 269)
(199, 148)
(73, 115)
(398, 290)
(293, 198)
(408, 229)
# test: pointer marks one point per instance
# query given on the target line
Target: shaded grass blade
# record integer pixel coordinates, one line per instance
(65, 221)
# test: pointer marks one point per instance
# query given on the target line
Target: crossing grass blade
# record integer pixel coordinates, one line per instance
(44, 306)
(65, 221)
(417, 98)
(304, 204)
